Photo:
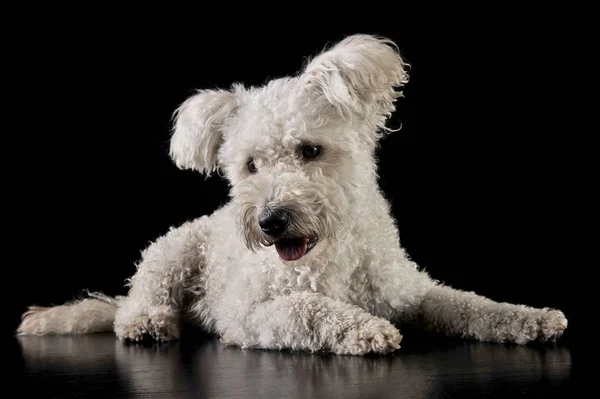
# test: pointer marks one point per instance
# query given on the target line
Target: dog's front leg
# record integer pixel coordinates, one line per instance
(158, 288)
(311, 322)
(466, 314)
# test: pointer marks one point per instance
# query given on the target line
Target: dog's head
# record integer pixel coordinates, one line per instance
(298, 152)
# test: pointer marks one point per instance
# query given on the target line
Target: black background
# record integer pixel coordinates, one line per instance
(477, 176)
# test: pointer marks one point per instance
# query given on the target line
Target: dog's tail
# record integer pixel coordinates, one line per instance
(84, 316)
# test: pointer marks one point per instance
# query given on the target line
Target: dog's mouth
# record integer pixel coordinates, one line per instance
(291, 249)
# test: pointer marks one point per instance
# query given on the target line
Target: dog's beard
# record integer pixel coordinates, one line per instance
(315, 214)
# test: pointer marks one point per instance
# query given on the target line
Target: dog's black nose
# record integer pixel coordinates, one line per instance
(274, 222)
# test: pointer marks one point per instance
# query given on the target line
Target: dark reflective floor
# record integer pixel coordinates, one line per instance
(99, 366)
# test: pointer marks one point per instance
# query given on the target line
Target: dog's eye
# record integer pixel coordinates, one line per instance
(251, 166)
(311, 151)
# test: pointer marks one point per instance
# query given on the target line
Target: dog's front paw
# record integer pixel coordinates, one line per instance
(137, 329)
(164, 325)
(159, 326)
(375, 336)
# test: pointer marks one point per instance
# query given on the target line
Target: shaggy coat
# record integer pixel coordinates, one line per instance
(306, 254)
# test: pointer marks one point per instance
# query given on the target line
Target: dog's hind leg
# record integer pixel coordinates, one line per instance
(169, 266)
(406, 294)
(466, 314)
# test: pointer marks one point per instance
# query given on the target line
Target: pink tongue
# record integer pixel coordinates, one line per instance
(292, 249)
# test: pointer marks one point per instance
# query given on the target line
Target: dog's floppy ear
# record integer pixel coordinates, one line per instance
(361, 76)
(197, 130)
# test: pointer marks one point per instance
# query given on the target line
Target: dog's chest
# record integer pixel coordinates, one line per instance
(322, 276)
(287, 279)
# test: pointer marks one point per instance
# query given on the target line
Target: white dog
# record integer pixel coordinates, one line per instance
(306, 255)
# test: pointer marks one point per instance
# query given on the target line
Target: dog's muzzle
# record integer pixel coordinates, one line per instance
(275, 224)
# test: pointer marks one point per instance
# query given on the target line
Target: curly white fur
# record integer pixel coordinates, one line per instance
(350, 294)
